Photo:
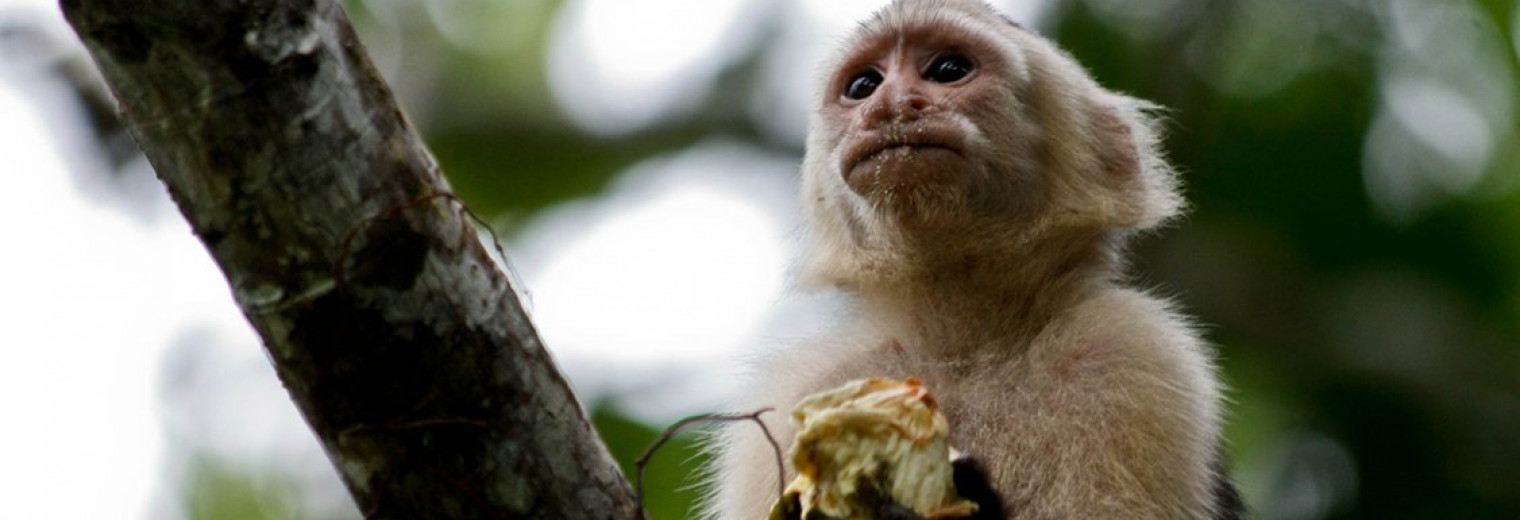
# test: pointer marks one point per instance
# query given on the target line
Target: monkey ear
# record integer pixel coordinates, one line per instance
(1121, 156)
(1134, 171)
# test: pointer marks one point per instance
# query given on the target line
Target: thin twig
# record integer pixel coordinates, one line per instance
(673, 430)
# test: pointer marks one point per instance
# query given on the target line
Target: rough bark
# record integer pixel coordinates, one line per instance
(396, 335)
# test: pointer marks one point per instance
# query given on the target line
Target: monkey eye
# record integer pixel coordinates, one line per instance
(949, 68)
(863, 85)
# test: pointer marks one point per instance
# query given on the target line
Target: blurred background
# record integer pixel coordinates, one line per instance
(1353, 247)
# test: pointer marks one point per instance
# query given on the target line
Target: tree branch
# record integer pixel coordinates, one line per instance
(420, 372)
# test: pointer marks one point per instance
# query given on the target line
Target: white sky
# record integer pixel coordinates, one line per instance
(663, 281)
(90, 303)
(617, 66)
(679, 261)
(624, 64)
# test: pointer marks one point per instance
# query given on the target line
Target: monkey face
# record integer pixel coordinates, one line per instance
(919, 121)
(902, 108)
(944, 131)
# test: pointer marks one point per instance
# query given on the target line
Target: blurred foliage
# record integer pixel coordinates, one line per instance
(1395, 341)
(672, 475)
(1374, 354)
(221, 490)
(220, 493)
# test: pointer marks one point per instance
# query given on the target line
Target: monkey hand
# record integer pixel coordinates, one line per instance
(878, 449)
(971, 483)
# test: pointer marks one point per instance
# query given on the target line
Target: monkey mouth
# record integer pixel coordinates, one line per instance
(902, 149)
(903, 144)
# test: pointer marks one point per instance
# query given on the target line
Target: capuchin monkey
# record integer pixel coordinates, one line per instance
(971, 189)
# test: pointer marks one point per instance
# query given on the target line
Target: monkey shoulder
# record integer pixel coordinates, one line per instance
(1120, 382)
(1132, 363)
(1125, 331)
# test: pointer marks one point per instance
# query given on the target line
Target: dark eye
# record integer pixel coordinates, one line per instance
(863, 84)
(949, 68)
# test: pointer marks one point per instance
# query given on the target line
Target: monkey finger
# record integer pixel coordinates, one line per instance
(972, 483)
(897, 512)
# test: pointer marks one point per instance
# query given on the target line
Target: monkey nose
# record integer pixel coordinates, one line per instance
(906, 98)
(911, 104)
(899, 103)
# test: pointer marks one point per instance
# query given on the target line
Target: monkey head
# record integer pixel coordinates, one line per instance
(944, 129)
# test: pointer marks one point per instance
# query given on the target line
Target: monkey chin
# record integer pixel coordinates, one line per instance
(916, 186)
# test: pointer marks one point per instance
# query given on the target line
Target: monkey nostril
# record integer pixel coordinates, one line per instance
(917, 103)
(911, 105)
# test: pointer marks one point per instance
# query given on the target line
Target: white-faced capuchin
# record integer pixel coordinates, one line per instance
(971, 189)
